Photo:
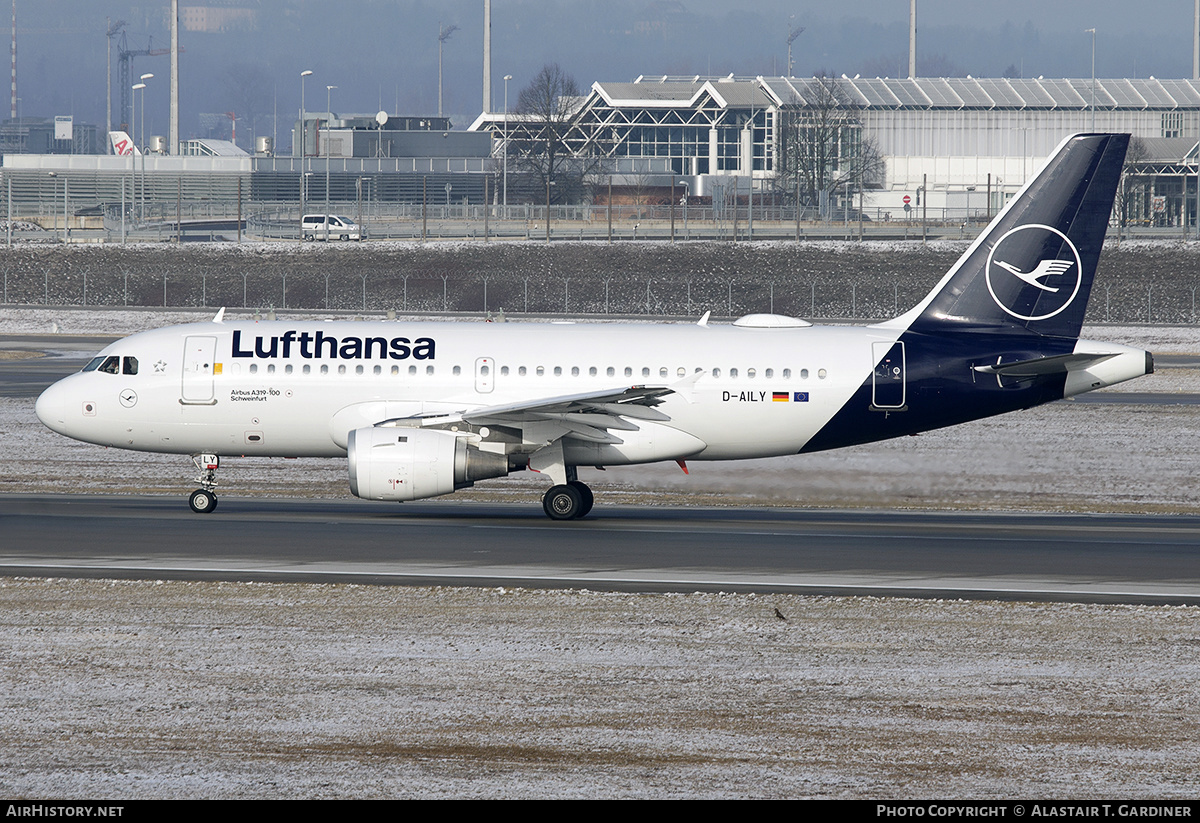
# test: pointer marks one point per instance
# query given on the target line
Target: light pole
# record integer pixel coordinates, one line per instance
(141, 87)
(328, 118)
(303, 125)
(303, 150)
(1092, 31)
(507, 77)
(687, 190)
(54, 195)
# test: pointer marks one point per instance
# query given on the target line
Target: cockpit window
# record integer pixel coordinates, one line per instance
(130, 366)
(112, 365)
(94, 364)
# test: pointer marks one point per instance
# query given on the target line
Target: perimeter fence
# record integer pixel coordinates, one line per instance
(873, 297)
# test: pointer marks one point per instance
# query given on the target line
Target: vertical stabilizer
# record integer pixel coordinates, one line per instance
(1032, 268)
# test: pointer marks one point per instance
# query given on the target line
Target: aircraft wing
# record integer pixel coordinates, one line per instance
(586, 416)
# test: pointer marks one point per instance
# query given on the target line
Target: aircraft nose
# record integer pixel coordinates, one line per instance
(51, 407)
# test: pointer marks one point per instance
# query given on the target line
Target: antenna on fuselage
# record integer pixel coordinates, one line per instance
(220, 318)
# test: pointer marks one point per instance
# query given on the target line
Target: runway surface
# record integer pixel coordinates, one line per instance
(1102, 558)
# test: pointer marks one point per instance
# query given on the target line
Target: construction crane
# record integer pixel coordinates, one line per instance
(125, 57)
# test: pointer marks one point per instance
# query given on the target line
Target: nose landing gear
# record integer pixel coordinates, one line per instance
(204, 499)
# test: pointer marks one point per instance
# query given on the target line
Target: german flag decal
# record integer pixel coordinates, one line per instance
(779, 397)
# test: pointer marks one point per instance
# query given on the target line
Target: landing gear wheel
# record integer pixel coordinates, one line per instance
(563, 503)
(585, 497)
(202, 501)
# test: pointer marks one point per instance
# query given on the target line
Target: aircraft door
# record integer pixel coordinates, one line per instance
(485, 369)
(199, 354)
(888, 381)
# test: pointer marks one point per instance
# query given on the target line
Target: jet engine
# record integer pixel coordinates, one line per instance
(394, 463)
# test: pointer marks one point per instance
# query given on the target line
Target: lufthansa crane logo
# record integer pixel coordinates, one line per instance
(1034, 272)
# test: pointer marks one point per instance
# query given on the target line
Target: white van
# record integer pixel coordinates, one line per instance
(330, 227)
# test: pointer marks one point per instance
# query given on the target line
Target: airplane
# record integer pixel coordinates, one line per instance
(122, 144)
(422, 409)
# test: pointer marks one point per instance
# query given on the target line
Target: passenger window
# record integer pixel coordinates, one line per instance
(254, 368)
(307, 369)
(541, 370)
(645, 371)
(271, 368)
(611, 372)
(324, 369)
(628, 371)
(592, 371)
(733, 373)
(574, 371)
(457, 371)
(787, 374)
(662, 372)
(804, 374)
(681, 372)
(287, 369)
(379, 369)
(558, 371)
(412, 370)
(342, 369)
(716, 372)
(504, 371)
(750, 374)
(484, 371)
(429, 371)
(130, 365)
(821, 373)
(521, 371)
(769, 373)
(112, 365)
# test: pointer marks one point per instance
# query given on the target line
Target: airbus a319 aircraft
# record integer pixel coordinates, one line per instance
(425, 409)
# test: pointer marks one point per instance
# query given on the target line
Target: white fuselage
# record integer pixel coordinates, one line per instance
(760, 391)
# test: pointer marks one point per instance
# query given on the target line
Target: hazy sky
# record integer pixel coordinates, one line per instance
(383, 53)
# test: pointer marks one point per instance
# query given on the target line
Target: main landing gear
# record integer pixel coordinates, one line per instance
(568, 501)
(204, 499)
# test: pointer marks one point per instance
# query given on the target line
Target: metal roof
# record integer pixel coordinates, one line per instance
(916, 93)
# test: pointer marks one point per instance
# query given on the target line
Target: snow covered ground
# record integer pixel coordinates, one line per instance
(171, 689)
(150, 690)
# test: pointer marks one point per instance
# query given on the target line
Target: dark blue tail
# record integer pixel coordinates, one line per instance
(1032, 268)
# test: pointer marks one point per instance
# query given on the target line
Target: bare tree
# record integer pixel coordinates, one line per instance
(1131, 193)
(822, 146)
(547, 106)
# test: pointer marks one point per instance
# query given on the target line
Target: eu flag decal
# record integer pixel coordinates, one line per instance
(800, 397)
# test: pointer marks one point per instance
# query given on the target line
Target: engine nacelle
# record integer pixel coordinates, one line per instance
(393, 463)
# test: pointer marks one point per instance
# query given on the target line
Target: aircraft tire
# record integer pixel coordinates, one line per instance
(562, 503)
(585, 495)
(202, 502)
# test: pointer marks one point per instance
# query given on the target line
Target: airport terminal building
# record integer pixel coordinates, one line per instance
(958, 136)
(955, 148)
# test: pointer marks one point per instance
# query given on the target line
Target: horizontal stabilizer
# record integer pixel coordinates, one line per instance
(1058, 364)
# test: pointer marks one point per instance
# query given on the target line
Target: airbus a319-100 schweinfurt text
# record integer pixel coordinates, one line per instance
(424, 409)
